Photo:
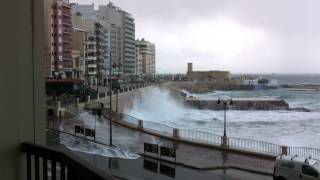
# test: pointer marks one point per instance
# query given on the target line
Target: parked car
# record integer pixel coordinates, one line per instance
(296, 168)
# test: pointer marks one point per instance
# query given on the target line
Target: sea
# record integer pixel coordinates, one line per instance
(291, 128)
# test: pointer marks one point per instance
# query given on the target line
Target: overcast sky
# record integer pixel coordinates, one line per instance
(243, 36)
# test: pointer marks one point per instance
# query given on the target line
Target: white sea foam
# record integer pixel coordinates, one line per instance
(281, 127)
(81, 145)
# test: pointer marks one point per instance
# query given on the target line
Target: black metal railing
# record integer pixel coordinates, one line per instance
(304, 152)
(46, 163)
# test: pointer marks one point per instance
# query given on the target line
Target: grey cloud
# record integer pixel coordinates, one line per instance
(292, 25)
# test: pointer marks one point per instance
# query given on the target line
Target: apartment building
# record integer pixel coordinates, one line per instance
(79, 52)
(80, 22)
(102, 34)
(122, 38)
(60, 64)
(98, 57)
(146, 58)
(139, 61)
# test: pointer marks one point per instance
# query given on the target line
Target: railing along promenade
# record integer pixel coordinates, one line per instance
(203, 138)
(207, 138)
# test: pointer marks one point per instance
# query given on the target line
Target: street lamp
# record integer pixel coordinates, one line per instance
(118, 66)
(110, 110)
(112, 66)
(225, 103)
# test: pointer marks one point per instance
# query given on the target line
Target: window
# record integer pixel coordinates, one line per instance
(288, 165)
(307, 170)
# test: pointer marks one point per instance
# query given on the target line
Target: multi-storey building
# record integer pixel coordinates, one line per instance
(80, 22)
(61, 64)
(79, 52)
(129, 44)
(122, 38)
(139, 60)
(98, 29)
(102, 50)
(146, 58)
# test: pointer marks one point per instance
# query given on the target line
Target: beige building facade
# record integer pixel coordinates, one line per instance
(90, 45)
(207, 75)
(146, 58)
(79, 53)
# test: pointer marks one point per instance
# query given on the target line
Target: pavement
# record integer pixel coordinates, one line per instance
(188, 155)
(152, 169)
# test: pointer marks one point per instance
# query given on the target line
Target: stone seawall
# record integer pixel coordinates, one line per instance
(204, 87)
(240, 104)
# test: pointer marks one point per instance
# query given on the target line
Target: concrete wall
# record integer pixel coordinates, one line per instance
(23, 55)
(125, 100)
(207, 75)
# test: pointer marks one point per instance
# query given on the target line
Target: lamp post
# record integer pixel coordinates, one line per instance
(118, 66)
(225, 103)
(112, 66)
(97, 85)
(110, 108)
(117, 101)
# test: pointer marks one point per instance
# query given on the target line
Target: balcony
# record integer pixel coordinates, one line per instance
(91, 58)
(66, 13)
(91, 42)
(54, 164)
(67, 48)
(66, 5)
(92, 65)
(67, 23)
(67, 40)
(67, 31)
(92, 50)
(92, 72)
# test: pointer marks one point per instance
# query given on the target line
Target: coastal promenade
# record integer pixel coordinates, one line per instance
(195, 149)
(188, 155)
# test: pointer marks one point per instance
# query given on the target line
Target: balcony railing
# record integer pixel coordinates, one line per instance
(67, 30)
(305, 152)
(91, 58)
(92, 72)
(66, 13)
(52, 164)
(92, 65)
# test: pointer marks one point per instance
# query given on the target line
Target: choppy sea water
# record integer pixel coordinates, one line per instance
(280, 127)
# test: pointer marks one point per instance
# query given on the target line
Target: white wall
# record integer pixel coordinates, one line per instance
(22, 58)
